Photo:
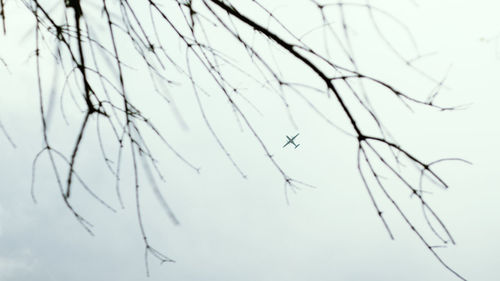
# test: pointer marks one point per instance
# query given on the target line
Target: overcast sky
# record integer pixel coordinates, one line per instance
(243, 229)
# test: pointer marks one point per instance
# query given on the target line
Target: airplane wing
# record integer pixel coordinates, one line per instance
(288, 142)
(295, 136)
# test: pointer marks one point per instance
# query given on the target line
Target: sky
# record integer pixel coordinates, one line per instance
(232, 228)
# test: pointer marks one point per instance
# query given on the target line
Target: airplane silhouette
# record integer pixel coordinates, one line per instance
(290, 140)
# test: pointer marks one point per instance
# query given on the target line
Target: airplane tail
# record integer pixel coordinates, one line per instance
(297, 146)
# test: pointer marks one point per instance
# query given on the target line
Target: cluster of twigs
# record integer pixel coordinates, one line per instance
(105, 97)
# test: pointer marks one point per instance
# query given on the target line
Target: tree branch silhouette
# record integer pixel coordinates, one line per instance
(104, 98)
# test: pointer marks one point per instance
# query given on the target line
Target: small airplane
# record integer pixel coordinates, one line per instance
(290, 140)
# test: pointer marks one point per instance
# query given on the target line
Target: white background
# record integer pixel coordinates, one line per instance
(242, 229)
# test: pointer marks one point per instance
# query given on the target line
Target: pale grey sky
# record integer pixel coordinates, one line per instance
(242, 229)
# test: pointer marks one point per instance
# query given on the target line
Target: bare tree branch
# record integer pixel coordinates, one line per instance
(95, 72)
